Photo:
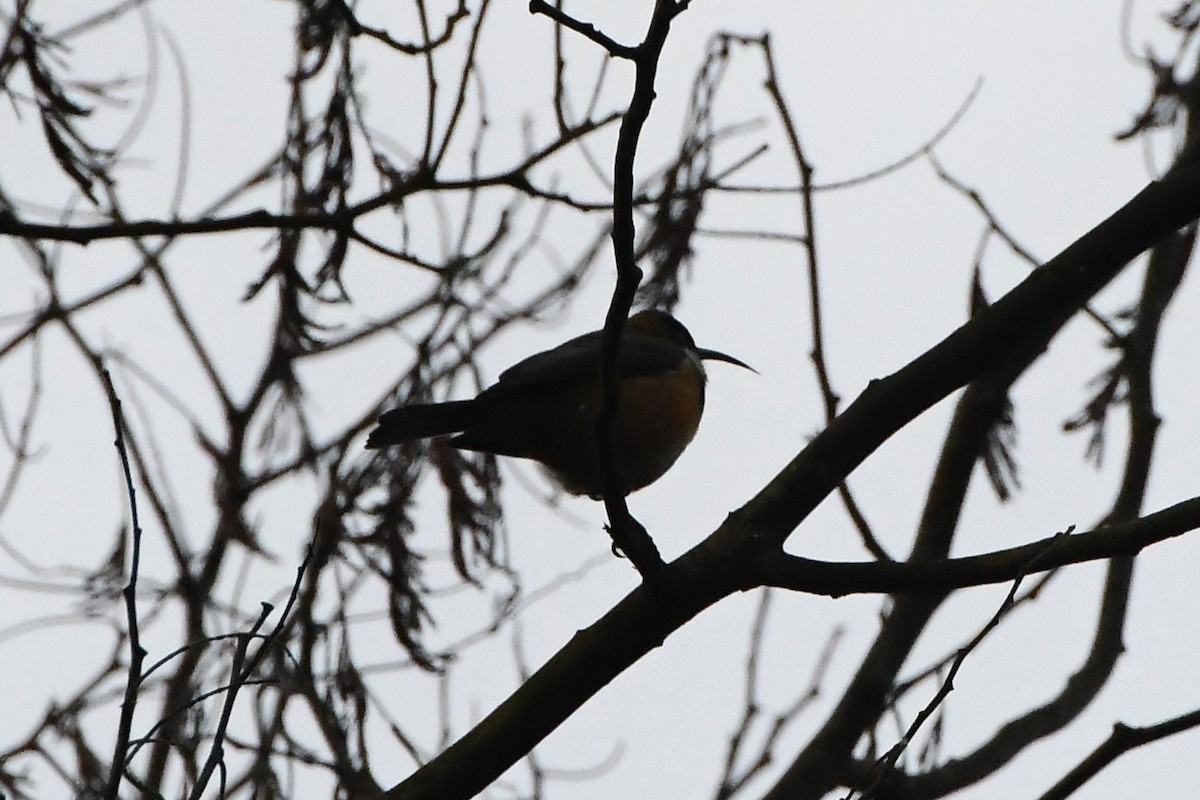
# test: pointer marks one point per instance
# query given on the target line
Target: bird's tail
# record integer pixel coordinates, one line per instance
(421, 422)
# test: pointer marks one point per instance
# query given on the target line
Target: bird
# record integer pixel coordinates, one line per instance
(545, 407)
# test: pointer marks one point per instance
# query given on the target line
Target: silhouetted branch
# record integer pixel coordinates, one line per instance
(1122, 739)
(137, 653)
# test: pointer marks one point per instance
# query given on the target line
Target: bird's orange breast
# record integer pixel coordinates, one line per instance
(656, 420)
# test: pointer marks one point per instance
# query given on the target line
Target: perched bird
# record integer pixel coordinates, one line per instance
(545, 407)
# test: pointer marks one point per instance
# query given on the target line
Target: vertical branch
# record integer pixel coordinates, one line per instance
(137, 654)
(431, 82)
(828, 395)
(733, 779)
(627, 533)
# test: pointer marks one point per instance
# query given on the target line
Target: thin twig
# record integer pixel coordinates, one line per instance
(585, 29)
(137, 654)
(884, 765)
(820, 364)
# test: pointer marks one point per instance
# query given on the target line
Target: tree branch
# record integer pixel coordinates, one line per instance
(832, 579)
(1018, 324)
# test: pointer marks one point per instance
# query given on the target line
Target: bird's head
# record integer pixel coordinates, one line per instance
(661, 325)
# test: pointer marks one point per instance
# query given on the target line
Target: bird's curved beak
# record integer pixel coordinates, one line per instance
(717, 355)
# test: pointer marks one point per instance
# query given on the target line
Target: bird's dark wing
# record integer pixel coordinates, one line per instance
(578, 360)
